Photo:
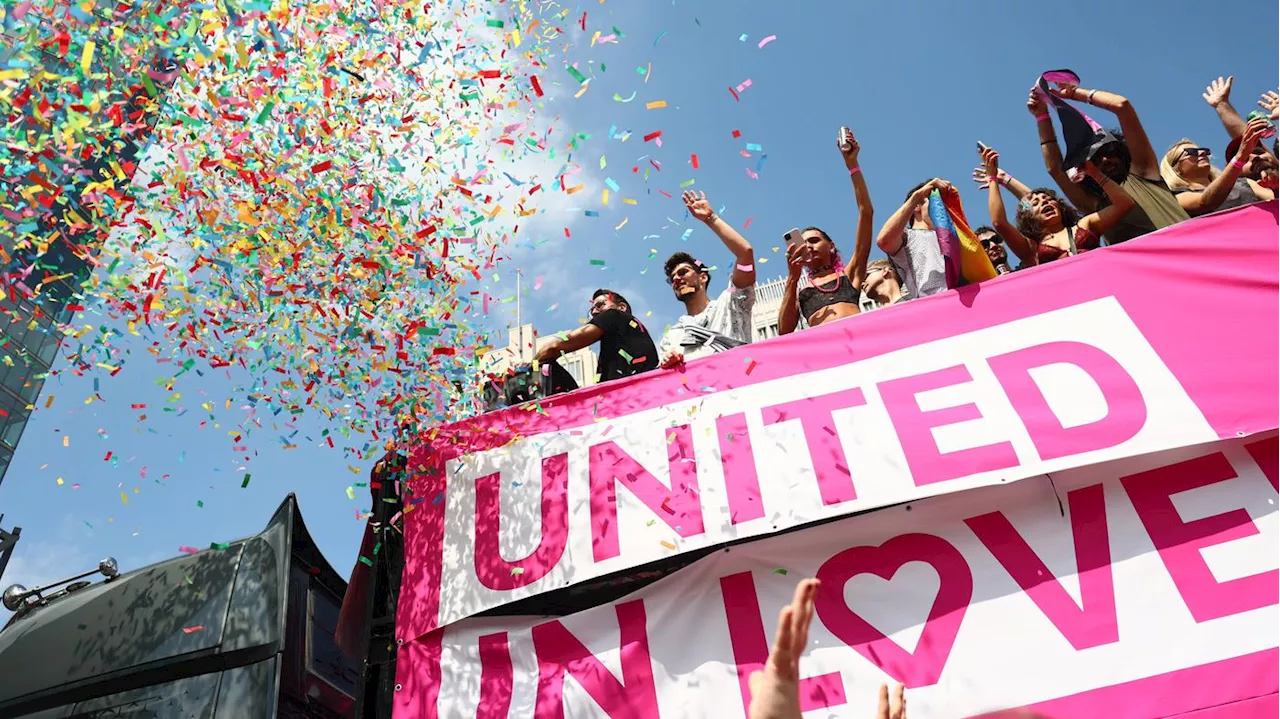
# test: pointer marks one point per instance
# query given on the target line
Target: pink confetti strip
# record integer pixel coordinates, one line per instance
(766, 41)
(745, 84)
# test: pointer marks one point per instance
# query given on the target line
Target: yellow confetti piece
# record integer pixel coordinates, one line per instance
(583, 91)
(12, 74)
(60, 481)
(86, 58)
(575, 188)
(48, 402)
(124, 498)
(628, 201)
(66, 441)
(604, 196)
(655, 105)
(622, 224)
(668, 545)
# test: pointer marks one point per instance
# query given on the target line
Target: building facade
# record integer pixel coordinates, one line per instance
(523, 343)
(52, 227)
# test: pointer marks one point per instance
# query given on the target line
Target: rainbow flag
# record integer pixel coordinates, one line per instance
(961, 251)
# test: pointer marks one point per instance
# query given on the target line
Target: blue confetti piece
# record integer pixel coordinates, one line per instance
(612, 185)
(591, 213)
(760, 164)
(685, 236)
(754, 146)
(742, 37)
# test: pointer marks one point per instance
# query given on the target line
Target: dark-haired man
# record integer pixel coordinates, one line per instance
(994, 247)
(910, 240)
(625, 345)
(709, 325)
(1124, 155)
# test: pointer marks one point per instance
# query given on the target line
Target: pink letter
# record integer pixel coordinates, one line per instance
(739, 462)
(495, 677)
(751, 646)
(923, 667)
(1264, 453)
(915, 429)
(835, 483)
(1126, 410)
(559, 651)
(1180, 542)
(491, 569)
(1092, 626)
(678, 505)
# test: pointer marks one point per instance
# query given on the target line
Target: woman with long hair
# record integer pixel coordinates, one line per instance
(1047, 227)
(819, 286)
(1202, 188)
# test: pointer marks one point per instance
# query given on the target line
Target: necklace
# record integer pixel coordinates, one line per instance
(819, 288)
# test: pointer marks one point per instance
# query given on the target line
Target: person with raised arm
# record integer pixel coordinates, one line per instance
(1047, 227)
(1202, 188)
(709, 325)
(1125, 156)
(910, 240)
(830, 291)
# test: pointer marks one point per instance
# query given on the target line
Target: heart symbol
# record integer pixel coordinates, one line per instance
(924, 666)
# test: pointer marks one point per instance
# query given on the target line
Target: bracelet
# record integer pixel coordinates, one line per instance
(854, 170)
(1238, 163)
(1042, 117)
(1089, 98)
(1051, 140)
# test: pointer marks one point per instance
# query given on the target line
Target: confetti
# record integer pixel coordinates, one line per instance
(766, 41)
(655, 105)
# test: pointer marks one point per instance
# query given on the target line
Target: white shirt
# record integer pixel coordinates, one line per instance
(919, 262)
(725, 323)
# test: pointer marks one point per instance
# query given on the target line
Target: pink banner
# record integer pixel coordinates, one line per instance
(1141, 587)
(1166, 341)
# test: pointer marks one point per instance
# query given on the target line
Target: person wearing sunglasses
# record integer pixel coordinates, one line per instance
(1123, 155)
(626, 348)
(994, 246)
(709, 325)
(1202, 188)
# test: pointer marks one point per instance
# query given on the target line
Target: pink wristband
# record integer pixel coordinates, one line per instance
(1238, 164)
(1042, 116)
(854, 170)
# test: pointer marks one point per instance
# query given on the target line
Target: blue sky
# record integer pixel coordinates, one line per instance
(919, 87)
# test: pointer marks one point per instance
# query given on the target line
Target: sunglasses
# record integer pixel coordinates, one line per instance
(1193, 152)
(989, 242)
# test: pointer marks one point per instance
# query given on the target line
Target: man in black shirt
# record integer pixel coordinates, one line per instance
(625, 346)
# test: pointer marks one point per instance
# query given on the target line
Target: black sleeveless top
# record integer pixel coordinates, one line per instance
(812, 299)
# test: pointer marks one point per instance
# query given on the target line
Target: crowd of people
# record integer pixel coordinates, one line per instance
(1111, 187)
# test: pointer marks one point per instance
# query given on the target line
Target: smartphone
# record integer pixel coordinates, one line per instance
(792, 236)
(981, 147)
(1270, 132)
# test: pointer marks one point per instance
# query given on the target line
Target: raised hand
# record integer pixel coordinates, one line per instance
(673, 360)
(991, 164)
(698, 205)
(1253, 133)
(897, 709)
(1218, 91)
(1064, 90)
(775, 690)
(1270, 102)
(798, 256)
(850, 155)
(1090, 170)
(1035, 104)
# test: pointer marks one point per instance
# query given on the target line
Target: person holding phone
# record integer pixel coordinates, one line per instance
(1047, 227)
(1202, 188)
(819, 287)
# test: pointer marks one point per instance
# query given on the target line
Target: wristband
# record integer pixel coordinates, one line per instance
(1238, 163)
(1052, 140)
(1089, 98)
(1042, 117)
(854, 170)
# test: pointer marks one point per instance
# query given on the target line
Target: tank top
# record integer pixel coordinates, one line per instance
(1156, 208)
(812, 299)
(1241, 194)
